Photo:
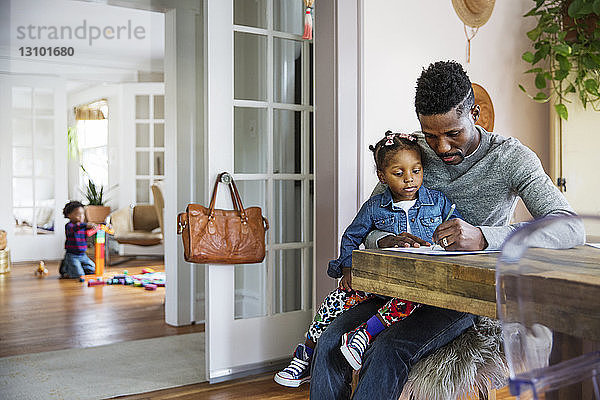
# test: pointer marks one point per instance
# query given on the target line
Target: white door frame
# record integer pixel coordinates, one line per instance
(183, 122)
(339, 138)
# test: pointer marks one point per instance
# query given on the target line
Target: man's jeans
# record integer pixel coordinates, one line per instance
(78, 264)
(389, 358)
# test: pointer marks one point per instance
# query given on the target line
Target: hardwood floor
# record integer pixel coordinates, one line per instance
(44, 314)
(258, 387)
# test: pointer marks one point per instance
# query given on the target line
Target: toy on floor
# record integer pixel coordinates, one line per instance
(100, 230)
(156, 279)
(97, 282)
(41, 270)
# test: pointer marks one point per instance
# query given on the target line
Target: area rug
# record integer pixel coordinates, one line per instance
(105, 371)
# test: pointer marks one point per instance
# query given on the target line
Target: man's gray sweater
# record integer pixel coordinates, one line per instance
(485, 187)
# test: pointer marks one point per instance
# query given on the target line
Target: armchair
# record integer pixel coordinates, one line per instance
(138, 226)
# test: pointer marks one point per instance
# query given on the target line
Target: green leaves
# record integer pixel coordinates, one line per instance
(560, 75)
(581, 8)
(541, 97)
(562, 49)
(591, 61)
(94, 194)
(528, 56)
(535, 33)
(562, 111)
(565, 54)
(563, 62)
(540, 81)
(591, 86)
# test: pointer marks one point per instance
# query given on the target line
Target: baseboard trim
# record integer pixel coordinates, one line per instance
(243, 371)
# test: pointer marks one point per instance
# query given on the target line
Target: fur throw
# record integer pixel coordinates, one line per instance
(473, 360)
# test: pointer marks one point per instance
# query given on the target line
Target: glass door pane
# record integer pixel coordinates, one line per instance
(250, 139)
(250, 13)
(142, 107)
(149, 143)
(287, 205)
(250, 290)
(22, 132)
(288, 16)
(250, 66)
(288, 280)
(287, 136)
(287, 67)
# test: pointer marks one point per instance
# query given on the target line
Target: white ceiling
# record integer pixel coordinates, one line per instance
(107, 58)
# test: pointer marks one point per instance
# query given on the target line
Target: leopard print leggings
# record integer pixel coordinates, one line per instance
(338, 301)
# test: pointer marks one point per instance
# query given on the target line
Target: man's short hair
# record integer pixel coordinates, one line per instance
(443, 86)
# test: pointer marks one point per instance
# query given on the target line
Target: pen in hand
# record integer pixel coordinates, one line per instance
(452, 207)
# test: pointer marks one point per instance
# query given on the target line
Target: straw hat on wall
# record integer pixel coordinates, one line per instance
(474, 13)
(486, 107)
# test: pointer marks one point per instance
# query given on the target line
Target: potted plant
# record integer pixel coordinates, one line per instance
(566, 60)
(95, 211)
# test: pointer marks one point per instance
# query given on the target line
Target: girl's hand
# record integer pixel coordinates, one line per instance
(404, 239)
(346, 281)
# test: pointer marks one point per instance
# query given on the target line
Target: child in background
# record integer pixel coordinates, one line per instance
(76, 263)
(405, 206)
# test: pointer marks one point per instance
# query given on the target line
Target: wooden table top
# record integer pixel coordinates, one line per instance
(570, 288)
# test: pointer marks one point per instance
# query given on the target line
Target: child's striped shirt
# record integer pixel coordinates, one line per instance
(76, 242)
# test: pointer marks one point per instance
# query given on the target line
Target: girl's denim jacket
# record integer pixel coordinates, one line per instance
(379, 213)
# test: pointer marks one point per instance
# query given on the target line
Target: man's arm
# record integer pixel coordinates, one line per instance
(525, 175)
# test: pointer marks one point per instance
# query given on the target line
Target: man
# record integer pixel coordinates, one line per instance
(482, 173)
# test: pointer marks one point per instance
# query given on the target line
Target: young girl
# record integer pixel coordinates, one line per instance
(405, 206)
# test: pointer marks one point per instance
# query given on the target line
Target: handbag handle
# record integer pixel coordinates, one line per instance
(226, 178)
(233, 189)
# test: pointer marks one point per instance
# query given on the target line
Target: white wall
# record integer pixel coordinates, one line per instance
(100, 60)
(401, 38)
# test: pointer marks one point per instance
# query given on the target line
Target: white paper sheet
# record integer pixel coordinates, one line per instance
(437, 251)
(596, 245)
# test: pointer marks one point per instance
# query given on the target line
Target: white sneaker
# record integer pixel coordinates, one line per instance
(298, 371)
(354, 344)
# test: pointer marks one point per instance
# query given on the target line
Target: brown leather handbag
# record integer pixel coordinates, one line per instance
(213, 236)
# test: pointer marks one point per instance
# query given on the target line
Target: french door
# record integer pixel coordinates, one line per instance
(259, 128)
(34, 166)
(144, 114)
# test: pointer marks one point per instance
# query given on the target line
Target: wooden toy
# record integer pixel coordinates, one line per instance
(100, 230)
(41, 270)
